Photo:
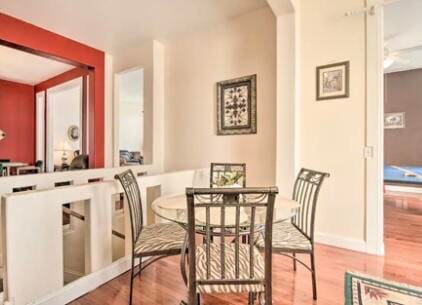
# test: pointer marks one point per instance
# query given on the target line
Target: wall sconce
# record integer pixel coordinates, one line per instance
(2, 134)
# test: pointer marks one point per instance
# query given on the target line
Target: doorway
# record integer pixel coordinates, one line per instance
(402, 122)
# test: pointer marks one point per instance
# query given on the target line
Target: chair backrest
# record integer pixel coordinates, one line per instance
(229, 229)
(79, 162)
(305, 192)
(133, 195)
(228, 174)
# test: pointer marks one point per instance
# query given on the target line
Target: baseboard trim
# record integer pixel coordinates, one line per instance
(86, 284)
(341, 242)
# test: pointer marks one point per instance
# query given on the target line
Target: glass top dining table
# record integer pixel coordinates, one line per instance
(174, 208)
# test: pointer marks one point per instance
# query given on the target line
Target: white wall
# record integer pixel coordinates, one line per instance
(194, 64)
(131, 107)
(66, 103)
(131, 127)
(332, 133)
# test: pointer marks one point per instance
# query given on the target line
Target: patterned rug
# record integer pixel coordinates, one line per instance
(362, 289)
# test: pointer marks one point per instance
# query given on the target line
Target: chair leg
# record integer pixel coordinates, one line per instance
(140, 267)
(294, 261)
(251, 298)
(132, 275)
(198, 299)
(314, 288)
(192, 296)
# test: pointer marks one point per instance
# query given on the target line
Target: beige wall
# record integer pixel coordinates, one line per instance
(332, 133)
(194, 64)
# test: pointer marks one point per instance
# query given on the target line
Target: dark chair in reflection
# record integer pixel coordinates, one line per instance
(79, 162)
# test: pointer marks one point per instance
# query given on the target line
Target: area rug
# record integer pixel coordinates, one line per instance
(362, 289)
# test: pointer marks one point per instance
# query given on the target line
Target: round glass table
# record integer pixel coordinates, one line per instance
(174, 208)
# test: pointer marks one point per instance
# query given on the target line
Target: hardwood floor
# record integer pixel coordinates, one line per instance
(161, 284)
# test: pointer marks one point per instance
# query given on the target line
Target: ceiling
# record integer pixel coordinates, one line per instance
(403, 29)
(26, 68)
(110, 25)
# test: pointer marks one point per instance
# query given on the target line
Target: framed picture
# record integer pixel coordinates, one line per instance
(394, 120)
(332, 81)
(236, 106)
(73, 133)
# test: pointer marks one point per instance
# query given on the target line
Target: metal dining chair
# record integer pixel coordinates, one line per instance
(156, 241)
(297, 236)
(228, 265)
(228, 175)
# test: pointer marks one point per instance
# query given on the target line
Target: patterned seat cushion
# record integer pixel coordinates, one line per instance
(286, 237)
(160, 237)
(215, 268)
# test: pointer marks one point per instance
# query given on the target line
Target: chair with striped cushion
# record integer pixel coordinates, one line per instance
(290, 238)
(155, 241)
(225, 264)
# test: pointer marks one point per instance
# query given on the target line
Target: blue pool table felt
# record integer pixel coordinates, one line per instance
(403, 174)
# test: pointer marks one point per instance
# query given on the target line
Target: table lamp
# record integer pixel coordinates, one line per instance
(65, 148)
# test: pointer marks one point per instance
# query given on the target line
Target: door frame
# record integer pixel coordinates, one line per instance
(374, 138)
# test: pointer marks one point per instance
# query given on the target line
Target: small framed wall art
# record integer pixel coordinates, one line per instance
(236, 106)
(332, 81)
(394, 120)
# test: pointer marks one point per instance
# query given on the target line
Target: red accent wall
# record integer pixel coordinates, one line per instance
(17, 120)
(18, 33)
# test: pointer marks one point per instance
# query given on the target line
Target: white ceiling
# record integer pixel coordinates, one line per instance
(26, 68)
(403, 29)
(110, 25)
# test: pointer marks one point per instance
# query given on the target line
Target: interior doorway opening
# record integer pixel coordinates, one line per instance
(402, 122)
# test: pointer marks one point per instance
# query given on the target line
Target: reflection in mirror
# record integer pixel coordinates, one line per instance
(131, 116)
(44, 105)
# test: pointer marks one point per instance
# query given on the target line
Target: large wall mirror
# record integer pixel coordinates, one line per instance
(134, 130)
(44, 108)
